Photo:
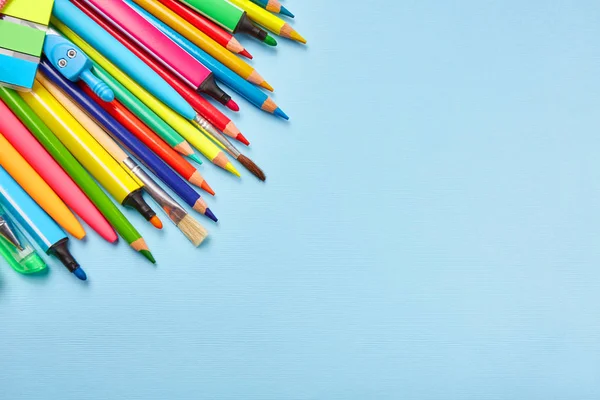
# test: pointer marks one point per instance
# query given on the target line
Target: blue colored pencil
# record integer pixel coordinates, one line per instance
(244, 88)
(91, 32)
(274, 6)
(129, 141)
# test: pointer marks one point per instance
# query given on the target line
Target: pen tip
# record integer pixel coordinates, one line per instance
(156, 222)
(80, 274)
(210, 215)
(232, 105)
(242, 139)
(246, 54)
(148, 255)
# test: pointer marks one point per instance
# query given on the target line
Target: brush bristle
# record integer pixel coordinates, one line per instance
(250, 166)
(193, 230)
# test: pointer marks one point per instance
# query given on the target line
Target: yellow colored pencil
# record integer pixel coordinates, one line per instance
(38, 189)
(177, 122)
(203, 41)
(116, 180)
(268, 20)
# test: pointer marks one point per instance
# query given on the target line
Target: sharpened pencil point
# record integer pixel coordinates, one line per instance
(80, 274)
(279, 112)
(246, 54)
(156, 222)
(242, 139)
(286, 12)
(266, 85)
(229, 167)
(297, 37)
(210, 215)
(195, 158)
(232, 105)
(148, 255)
(270, 41)
(206, 187)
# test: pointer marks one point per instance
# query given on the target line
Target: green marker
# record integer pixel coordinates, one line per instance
(143, 112)
(81, 177)
(24, 260)
(230, 17)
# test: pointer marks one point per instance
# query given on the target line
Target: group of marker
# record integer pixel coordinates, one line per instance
(95, 93)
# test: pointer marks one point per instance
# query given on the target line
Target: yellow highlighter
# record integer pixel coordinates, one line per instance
(121, 186)
(38, 189)
(177, 122)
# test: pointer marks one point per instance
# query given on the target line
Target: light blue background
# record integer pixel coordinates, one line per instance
(429, 229)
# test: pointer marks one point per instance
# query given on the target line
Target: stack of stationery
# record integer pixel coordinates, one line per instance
(105, 103)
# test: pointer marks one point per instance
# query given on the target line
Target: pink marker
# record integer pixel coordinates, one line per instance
(43, 163)
(133, 25)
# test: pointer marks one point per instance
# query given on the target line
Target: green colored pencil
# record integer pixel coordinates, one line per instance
(83, 179)
(143, 112)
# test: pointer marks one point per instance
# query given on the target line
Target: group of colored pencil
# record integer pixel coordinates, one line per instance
(119, 106)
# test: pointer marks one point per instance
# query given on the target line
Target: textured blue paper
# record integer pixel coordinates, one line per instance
(441, 243)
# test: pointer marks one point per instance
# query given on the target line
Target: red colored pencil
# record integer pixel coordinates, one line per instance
(205, 25)
(199, 103)
(172, 158)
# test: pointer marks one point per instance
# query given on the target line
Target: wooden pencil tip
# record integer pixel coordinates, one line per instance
(252, 167)
(184, 148)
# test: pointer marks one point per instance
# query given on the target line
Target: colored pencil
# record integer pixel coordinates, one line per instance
(52, 173)
(184, 127)
(24, 259)
(274, 6)
(199, 103)
(204, 42)
(268, 20)
(211, 132)
(62, 155)
(205, 25)
(174, 139)
(250, 92)
(90, 154)
(132, 24)
(154, 143)
(176, 213)
(230, 17)
(38, 189)
(87, 100)
(43, 229)
(72, 17)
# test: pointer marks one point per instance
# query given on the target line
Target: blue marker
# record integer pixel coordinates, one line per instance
(70, 61)
(46, 233)
(221, 72)
(110, 47)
